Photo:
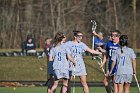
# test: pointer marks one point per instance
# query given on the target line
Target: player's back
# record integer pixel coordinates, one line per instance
(124, 60)
(60, 57)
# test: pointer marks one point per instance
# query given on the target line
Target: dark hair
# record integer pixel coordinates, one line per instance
(29, 37)
(119, 33)
(76, 32)
(123, 40)
(58, 37)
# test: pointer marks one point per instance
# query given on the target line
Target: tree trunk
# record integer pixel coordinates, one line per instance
(52, 17)
(17, 25)
(115, 14)
(134, 25)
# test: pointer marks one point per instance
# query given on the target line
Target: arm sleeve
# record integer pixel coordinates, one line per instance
(68, 51)
(133, 55)
(84, 46)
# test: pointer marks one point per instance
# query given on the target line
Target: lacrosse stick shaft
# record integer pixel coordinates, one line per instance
(73, 91)
(100, 64)
(93, 30)
(93, 42)
(137, 82)
(103, 68)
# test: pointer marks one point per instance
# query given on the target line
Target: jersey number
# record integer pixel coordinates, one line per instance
(59, 56)
(122, 60)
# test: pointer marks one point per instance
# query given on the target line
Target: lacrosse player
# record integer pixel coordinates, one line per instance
(51, 79)
(59, 55)
(77, 48)
(47, 49)
(126, 65)
(98, 40)
(111, 46)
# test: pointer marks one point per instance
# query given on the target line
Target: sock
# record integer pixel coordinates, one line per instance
(69, 87)
(108, 89)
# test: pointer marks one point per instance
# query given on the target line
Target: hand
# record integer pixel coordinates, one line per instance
(101, 66)
(110, 73)
(94, 32)
(134, 73)
(74, 63)
(101, 49)
(107, 74)
(98, 53)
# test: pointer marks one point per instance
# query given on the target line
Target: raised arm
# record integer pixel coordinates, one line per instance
(99, 36)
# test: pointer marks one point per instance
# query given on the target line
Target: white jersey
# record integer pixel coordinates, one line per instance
(124, 60)
(77, 50)
(59, 54)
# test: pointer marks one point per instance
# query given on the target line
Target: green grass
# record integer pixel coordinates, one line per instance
(23, 68)
(44, 90)
(29, 68)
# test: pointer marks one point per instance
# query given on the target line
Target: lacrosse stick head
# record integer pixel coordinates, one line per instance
(94, 25)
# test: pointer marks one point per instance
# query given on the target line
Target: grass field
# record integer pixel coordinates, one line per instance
(30, 68)
(44, 90)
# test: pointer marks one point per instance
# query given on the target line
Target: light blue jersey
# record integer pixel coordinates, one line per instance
(77, 50)
(60, 65)
(124, 60)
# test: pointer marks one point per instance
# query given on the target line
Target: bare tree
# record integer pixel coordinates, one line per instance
(134, 24)
(115, 14)
(46, 17)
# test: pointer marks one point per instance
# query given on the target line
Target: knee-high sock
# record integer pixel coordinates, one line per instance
(69, 87)
(108, 88)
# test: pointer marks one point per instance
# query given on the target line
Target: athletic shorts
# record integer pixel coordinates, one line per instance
(50, 68)
(125, 78)
(58, 74)
(79, 73)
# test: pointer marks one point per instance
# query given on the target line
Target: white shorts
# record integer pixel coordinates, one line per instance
(59, 74)
(79, 72)
(125, 78)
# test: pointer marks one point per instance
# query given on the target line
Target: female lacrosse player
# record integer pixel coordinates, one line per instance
(77, 48)
(59, 55)
(126, 65)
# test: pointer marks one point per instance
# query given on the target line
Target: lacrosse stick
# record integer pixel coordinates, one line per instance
(75, 58)
(73, 91)
(99, 63)
(94, 25)
(137, 82)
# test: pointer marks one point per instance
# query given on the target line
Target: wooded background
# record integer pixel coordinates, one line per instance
(43, 18)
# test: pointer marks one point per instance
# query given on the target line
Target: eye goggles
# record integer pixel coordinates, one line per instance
(115, 35)
(79, 36)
